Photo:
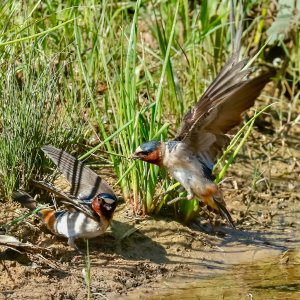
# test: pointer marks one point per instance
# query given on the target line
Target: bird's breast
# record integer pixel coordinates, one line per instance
(184, 176)
(77, 224)
(187, 168)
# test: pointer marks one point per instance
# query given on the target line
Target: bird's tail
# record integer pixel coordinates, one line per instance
(219, 202)
(24, 199)
(225, 213)
(28, 202)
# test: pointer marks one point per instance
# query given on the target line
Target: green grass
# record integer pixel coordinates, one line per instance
(107, 76)
(87, 271)
(29, 95)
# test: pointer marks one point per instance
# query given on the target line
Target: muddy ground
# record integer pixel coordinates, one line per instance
(139, 256)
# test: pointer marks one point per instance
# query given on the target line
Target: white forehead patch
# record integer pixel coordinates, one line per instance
(139, 149)
(108, 200)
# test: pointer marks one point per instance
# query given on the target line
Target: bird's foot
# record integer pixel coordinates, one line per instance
(71, 243)
(190, 196)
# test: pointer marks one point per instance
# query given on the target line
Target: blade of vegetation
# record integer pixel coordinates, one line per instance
(102, 77)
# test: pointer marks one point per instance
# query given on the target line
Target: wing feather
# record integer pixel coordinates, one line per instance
(85, 183)
(68, 200)
(204, 127)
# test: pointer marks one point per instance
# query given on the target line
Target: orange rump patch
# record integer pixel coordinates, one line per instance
(210, 190)
(207, 196)
(48, 217)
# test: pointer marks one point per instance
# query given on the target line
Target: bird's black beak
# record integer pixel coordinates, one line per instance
(133, 156)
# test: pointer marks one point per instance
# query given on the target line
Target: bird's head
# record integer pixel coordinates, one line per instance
(150, 152)
(104, 204)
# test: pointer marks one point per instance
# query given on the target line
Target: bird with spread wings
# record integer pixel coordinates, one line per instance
(191, 155)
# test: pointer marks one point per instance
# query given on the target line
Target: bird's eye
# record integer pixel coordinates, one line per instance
(143, 154)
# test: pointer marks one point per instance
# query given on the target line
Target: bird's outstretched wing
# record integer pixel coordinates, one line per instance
(85, 183)
(204, 127)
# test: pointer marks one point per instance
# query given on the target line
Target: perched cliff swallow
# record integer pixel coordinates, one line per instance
(191, 155)
(91, 199)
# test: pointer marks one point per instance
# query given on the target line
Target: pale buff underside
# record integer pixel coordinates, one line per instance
(186, 168)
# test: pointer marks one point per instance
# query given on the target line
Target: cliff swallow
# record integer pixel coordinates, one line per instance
(91, 200)
(191, 155)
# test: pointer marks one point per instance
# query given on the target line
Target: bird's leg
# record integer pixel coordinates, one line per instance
(190, 196)
(180, 189)
(71, 242)
(176, 200)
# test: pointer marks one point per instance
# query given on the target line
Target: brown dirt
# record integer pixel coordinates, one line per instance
(261, 190)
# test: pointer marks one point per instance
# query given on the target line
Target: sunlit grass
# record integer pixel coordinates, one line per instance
(31, 117)
(87, 271)
(110, 75)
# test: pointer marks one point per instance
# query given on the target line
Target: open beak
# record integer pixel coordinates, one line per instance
(133, 156)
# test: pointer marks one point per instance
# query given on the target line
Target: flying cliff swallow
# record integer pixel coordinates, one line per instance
(191, 155)
(91, 200)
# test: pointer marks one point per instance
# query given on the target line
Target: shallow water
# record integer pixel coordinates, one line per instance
(244, 265)
(270, 279)
(274, 278)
